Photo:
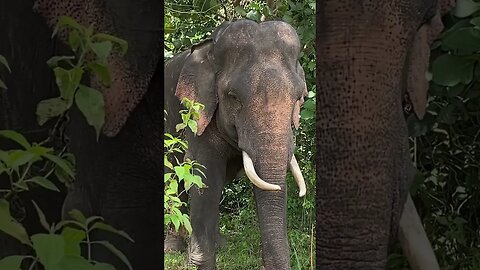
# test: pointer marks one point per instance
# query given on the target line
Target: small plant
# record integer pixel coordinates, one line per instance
(69, 73)
(181, 172)
(17, 164)
(60, 248)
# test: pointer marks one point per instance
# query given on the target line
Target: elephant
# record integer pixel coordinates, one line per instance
(249, 78)
(117, 177)
(370, 55)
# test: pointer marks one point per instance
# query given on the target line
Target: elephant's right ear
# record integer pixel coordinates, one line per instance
(197, 81)
(418, 59)
(299, 103)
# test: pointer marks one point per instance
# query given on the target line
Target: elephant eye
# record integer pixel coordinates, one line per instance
(233, 95)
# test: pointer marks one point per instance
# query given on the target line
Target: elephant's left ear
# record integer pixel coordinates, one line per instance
(197, 81)
(298, 103)
(418, 59)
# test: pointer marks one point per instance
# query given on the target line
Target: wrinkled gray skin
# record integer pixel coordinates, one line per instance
(249, 78)
(369, 54)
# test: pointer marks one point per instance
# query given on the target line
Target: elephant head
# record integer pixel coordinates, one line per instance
(369, 54)
(249, 79)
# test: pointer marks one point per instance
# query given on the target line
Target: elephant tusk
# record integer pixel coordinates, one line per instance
(252, 174)
(414, 241)
(297, 174)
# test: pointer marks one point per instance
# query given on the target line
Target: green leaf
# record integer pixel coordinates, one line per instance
(44, 182)
(92, 219)
(187, 225)
(74, 40)
(67, 21)
(253, 15)
(419, 127)
(22, 185)
(103, 266)
(109, 228)
(68, 81)
(15, 136)
(41, 217)
(78, 216)
(464, 39)
(4, 62)
(193, 126)
(60, 163)
(49, 108)
(180, 172)
(102, 50)
(61, 175)
(11, 262)
(241, 11)
(102, 72)
(175, 221)
(173, 187)
(10, 226)
(120, 42)
(447, 115)
(180, 126)
(115, 251)
(449, 70)
(50, 248)
(91, 104)
(167, 163)
(89, 30)
(18, 158)
(73, 262)
(72, 238)
(465, 8)
(2, 85)
(53, 62)
(39, 150)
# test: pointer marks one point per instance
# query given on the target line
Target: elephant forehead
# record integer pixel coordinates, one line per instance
(246, 34)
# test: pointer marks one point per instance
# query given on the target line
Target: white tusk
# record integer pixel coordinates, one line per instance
(252, 174)
(297, 174)
(414, 241)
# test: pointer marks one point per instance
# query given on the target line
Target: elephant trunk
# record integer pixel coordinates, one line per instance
(271, 165)
(363, 164)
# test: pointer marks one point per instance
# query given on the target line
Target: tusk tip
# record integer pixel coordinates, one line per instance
(302, 193)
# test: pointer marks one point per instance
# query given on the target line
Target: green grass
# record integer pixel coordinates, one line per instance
(242, 251)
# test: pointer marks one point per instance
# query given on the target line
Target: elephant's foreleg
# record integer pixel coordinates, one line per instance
(204, 205)
(414, 241)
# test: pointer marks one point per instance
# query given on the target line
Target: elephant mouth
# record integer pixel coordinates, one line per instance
(261, 184)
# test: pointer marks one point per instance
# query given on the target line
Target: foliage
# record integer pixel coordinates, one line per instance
(60, 248)
(17, 164)
(182, 172)
(87, 45)
(445, 144)
(243, 249)
(188, 22)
